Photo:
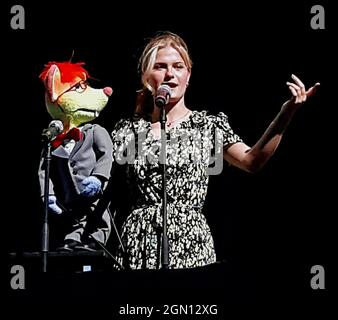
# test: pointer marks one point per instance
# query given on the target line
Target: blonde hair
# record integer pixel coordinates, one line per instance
(147, 61)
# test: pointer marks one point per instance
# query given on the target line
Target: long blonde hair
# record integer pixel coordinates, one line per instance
(144, 103)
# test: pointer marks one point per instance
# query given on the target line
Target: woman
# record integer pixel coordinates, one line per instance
(194, 141)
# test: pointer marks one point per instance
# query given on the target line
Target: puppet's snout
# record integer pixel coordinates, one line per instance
(108, 91)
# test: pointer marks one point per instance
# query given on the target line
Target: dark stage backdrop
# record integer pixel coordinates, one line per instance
(275, 225)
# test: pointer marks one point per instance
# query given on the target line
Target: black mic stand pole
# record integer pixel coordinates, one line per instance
(45, 226)
(165, 245)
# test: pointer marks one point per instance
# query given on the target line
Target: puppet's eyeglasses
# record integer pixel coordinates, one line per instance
(78, 87)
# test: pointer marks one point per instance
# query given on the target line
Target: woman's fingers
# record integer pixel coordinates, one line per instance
(298, 90)
(312, 90)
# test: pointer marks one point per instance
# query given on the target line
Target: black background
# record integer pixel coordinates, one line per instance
(273, 225)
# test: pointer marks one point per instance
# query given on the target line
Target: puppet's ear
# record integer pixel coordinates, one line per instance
(53, 83)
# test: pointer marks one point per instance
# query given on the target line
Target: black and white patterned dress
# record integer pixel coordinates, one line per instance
(191, 146)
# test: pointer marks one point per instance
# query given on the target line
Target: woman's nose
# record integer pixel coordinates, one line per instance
(169, 73)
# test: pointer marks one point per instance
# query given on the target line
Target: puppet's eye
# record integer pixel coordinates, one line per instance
(80, 87)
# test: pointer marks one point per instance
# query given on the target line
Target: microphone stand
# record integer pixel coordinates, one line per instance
(45, 226)
(165, 245)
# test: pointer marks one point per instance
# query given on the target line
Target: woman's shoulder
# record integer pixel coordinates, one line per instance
(131, 125)
(218, 121)
(123, 123)
(204, 117)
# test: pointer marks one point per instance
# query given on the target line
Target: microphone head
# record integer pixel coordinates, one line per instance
(57, 124)
(162, 95)
(54, 128)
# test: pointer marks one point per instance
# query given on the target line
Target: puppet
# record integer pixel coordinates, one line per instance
(81, 155)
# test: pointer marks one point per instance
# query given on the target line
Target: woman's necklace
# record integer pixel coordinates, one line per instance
(170, 123)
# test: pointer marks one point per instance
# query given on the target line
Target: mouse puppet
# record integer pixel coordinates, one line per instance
(81, 156)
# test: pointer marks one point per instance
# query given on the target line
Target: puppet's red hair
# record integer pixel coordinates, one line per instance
(69, 71)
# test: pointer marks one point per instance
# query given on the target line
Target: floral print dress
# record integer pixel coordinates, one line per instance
(194, 150)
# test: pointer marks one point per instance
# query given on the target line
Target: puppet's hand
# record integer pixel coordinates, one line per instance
(92, 186)
(53, 207)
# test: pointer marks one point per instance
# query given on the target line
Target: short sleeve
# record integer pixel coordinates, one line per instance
(223, 130)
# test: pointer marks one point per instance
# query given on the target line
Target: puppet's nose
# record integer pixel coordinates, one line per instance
(108, 91)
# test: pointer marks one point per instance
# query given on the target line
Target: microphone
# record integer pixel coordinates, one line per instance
(162, 95)
(54, 128)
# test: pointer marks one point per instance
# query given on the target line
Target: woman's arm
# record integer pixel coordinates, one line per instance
(253, 159)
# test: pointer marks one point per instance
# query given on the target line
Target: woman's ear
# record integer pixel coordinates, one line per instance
(188, 78)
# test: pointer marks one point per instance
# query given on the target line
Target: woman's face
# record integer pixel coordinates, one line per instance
(170, 69)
